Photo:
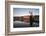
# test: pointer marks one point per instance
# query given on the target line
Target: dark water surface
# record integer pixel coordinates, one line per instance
(23, 24)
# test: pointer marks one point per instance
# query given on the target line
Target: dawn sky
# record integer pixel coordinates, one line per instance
(24, 11)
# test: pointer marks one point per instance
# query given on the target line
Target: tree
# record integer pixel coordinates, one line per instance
(31, 18)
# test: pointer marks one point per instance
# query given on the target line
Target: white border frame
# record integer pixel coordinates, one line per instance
(28, 28)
